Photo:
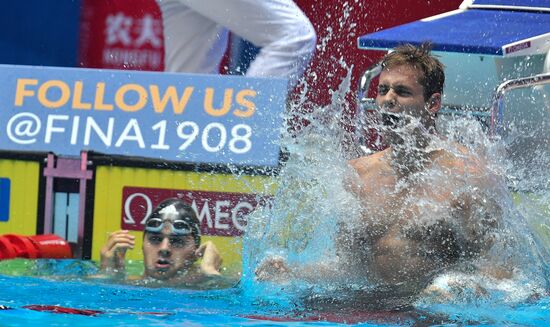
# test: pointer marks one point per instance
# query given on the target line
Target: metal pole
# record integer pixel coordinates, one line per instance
(48, 206)
(497, 109)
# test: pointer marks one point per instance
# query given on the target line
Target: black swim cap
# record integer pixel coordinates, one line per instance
(183, 212)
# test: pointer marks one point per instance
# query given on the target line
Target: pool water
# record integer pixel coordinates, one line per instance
(33, 300)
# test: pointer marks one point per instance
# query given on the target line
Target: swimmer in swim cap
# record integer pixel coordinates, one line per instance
(171, 246)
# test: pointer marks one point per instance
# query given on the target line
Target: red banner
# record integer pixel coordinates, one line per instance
(121, 34)
(220, 213)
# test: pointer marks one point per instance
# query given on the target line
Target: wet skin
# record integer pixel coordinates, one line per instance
(408, 234)
(166, 255)
(418, 204)
(399, 91)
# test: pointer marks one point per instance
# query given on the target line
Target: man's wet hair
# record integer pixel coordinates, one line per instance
(421, 58)
(185, 213)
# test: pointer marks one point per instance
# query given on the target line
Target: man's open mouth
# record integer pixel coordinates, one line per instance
(392, 120)
(163, 264)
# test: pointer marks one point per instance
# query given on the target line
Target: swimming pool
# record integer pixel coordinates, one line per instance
(28, 301)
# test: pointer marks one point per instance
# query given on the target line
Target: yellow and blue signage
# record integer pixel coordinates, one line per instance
(4, 199)
(176, 117)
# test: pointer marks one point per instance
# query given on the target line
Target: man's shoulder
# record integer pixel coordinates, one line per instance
(461, 160)
(373, 162)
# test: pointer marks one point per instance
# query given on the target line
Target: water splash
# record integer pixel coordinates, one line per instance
(518, 242)
(311, 198)
(313, 201)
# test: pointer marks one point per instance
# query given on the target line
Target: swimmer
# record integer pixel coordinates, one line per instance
(171, 247)
(428, 205)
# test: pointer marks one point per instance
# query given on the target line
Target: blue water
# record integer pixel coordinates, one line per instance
(125, 305)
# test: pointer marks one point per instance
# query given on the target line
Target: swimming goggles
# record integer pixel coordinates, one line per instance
(179, 227)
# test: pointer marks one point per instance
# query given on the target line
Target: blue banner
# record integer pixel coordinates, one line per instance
(514, 3)
(175, 117)
(4, 199)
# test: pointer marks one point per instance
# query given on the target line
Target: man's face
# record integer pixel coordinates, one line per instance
(399, 92)
(165, 254)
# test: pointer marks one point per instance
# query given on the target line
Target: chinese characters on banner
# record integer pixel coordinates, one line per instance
(121, 34)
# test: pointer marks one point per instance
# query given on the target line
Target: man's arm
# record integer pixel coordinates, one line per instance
(276, 269)
(211, 259)
(113, 252)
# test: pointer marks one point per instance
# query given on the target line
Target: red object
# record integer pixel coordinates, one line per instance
(84, 312)
(52, 246)
(121, 34)
(58, 309)
(24, 247)
(7, 251)
(32, 247)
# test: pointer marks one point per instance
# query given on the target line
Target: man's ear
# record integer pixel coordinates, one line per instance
(434, 103)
